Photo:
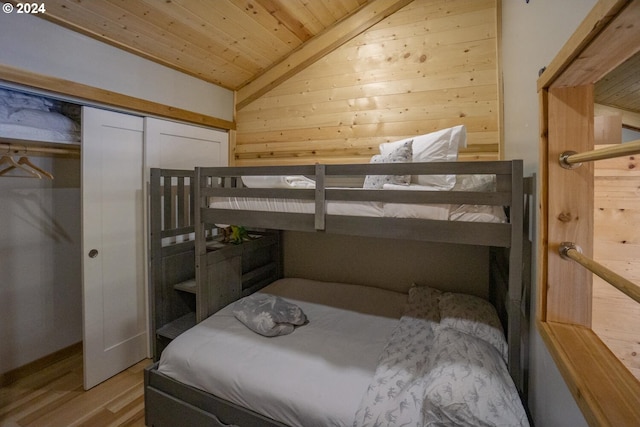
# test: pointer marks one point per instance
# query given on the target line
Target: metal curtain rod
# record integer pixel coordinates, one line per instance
(571, 159)
(571, 251)
(11, 148)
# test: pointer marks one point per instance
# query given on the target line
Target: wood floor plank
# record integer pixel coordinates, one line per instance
(44, 376)
(52, 395)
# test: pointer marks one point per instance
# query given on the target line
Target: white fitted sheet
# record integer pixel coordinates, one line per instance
(443, 212)
(469, 213)
(296, 206)
(315, 376)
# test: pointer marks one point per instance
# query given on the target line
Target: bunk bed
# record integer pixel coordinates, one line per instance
(321, 199)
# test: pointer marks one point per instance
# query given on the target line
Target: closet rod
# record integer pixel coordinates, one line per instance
(571, 159)
(12, 148)
(569, 250)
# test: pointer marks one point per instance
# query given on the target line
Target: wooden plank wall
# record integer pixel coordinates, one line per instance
(431, 65)
(617, 245)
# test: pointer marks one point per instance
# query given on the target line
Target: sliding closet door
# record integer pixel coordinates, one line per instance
(172, 145)
(115, 328)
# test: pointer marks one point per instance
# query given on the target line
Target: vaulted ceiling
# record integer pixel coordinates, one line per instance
(226, 42)
(248, 46)
(231, 43)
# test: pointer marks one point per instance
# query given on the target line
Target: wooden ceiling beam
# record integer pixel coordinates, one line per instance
(319, 46)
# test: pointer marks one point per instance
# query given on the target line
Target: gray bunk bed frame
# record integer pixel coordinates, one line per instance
(171, 265)
(179, 299)
(171, 403)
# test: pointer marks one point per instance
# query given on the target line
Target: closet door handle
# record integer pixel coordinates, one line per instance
(93, 253)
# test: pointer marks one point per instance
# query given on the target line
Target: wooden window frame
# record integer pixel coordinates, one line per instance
(605, 390)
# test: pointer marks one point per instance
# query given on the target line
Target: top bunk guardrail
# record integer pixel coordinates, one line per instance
(326, 207)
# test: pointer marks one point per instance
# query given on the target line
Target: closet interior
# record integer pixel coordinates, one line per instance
(40, 240)
(74, 239)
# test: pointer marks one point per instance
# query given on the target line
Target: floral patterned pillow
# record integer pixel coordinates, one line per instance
(401, 154)
(474, 316)
(423, 303)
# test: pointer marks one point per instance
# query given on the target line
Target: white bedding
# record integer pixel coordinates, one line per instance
(286, 181)
(32, 117)
(367, 357)
(374, 209)
(338, 348)
(15, 131)
(442, 367)
(469, 213)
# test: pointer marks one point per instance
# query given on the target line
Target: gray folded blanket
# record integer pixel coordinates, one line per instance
(268, 315)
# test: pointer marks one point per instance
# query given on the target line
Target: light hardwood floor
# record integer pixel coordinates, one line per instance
(53, 396)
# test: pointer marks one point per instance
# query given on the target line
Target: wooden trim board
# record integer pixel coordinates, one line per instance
(105, 97)
(600, 383)
(39, 364)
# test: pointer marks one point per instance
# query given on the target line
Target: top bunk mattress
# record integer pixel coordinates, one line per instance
(450, 212)
(469, 213)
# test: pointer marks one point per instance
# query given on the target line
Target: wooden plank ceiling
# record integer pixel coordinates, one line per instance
(244, 45)
(621, 87)
(226, 42)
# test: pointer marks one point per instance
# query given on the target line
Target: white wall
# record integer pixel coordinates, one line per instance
(40, 288)
(40, 273)
(39, 46)
(532, 35)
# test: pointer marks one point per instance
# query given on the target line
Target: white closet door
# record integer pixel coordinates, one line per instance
(172, 145)
(115, 326)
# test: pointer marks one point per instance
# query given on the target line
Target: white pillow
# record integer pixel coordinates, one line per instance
(439, 146)
(401, 153)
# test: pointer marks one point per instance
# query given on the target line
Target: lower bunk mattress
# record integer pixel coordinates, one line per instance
(364, 356)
